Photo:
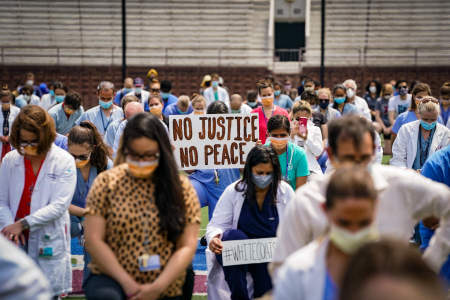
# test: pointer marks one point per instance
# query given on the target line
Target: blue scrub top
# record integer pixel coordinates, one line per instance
(172, 99)
(61, 141)
(331, 290)
(284, 102)
(172, 109)
(96, 116)
(208, 191)
(256, 223)
(423, 149)
(110, 134)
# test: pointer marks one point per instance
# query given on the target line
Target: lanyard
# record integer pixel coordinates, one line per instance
(103, 120)
(264, 115)
(287, 164)
(6, 122)
(423, 158)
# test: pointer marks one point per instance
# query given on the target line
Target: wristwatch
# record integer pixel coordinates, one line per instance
(24, 223)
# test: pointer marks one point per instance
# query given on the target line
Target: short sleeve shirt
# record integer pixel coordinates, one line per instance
(398, 105)
(128, 206)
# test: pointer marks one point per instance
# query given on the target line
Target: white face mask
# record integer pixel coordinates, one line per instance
(373, 89)
(349, 242)
(29, 82)
(350, 93)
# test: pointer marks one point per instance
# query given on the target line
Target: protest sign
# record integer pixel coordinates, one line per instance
(213, 141)
(244, 252)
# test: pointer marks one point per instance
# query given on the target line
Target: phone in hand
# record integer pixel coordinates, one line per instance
(302, 123)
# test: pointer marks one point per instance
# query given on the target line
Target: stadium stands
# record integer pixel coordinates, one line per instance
(381, 33)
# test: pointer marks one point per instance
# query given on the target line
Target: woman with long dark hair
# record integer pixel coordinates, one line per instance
(143, 220)
(249, 208)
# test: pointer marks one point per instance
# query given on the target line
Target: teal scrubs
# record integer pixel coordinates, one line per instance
(297, 163)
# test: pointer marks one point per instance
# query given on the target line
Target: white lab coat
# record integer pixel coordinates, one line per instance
(49, 214)
(307, 268)
(223, 96)
(404, 149)
(144, 97)
(225, 217)
(313, 146)
(13, 112)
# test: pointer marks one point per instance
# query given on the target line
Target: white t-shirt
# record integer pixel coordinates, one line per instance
(398, 105)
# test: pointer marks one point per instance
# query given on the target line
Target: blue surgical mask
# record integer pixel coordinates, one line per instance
(252, 104)
(138, 91)
(126, 91)
(235, 111)
(427, 126)
(182, 112)
(215, 83)
(105, 105)
(262, 181)
(277, 93)
(339, 100)
(59, 99)
(165, 96)
(52, 93)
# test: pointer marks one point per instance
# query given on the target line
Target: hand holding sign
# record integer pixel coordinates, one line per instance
(213, 141)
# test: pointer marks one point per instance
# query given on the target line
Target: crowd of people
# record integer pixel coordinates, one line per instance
(346, 226)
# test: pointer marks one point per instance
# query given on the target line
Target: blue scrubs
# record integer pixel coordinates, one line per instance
(61, 141)
(209, 188)
(169, 101)
(173, 109)
(62, 123)
(423, 149)
(98, 118)
(111, 133)
(253, 223)
(331, 291)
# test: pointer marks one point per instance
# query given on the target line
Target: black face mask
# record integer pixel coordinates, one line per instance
(324, 104)
(208, 83)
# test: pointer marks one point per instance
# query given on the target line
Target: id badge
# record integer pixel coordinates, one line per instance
(149, 263)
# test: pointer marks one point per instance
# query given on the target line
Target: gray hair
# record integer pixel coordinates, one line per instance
(429, 106)
(352, 82)
(105, 85)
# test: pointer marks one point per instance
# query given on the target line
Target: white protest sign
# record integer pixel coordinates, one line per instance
(244, 252)
(213, 141)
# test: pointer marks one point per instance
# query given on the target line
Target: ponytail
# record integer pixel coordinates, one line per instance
(86, 132)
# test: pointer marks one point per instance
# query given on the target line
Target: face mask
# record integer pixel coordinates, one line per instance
(5, 106)
(427, 126)
(199, 112)
(105, 105)
(142, 169)
(215, 83)
(27, 97)
(165, 96)
(373, 89)
(59, 99)
(235, 111)
(138, 91)
(316, 92)
(277, 93)
(262, 181)
(324, 104)
(252, 104)
(30, 150)
(309, 89)
(387, 97)
(279, 143)
(339, 100)
(287, 87)
(181, 112)
(29, 82)
(68, 111)
(350, 93)
(403, 91)
(267, 101)
(52, 93)
(126, 91)
(348, 241)
(81, 163)
(156, 110)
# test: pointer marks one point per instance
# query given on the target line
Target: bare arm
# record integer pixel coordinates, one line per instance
(76, 210)
(299, 181)
(391, 116)
(103, 256)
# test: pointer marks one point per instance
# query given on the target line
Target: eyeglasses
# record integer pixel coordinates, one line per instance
(138, 157)
(81, 157)
(29, 143)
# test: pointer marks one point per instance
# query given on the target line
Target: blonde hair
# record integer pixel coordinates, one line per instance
(198, 99)
(429, 106)
(301, 106)
(325, 91)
